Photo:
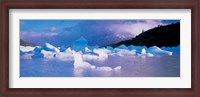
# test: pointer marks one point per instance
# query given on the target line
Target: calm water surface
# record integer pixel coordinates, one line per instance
(163, 66)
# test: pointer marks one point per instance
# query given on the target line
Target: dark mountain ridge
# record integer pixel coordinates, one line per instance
(25, 43)
(160, 36)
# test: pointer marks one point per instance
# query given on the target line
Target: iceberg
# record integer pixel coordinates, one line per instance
(80, 44)
(26, 48)
(124, 52)
(48, 54)
(49, 47)
(37, 49)
(79, 63)
(145, 54)
(107, 68)
(137, 48)
(65, 56)
(157, 51)
(122, 47)
(90, 57)
(102, 54)
(87, 49)
(117, 68)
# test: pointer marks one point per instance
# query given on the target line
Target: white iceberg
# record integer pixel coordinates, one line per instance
(26, 48)
(157, 51)
(65, 56)
(49, 47)
(124, 52)
(137, 48)
(107, 68)
(48, 54)
(90, 57)
(87, 49)
(102, 53)
(145, 54)
(79, 63)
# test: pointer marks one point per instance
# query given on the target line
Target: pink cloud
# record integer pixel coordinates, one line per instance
(36, 35)
(134, 28)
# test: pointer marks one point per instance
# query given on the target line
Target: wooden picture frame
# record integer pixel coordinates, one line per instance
(100, 4)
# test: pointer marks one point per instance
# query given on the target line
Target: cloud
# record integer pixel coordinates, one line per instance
(97, 32)
(36, 35)
(134, 28)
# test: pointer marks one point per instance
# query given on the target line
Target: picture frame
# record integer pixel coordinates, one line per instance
(102, 4)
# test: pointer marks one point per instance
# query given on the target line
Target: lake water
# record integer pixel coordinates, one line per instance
(163, 66)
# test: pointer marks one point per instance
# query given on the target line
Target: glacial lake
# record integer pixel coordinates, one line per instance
(158, 66)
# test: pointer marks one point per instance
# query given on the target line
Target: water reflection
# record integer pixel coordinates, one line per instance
(165, 66)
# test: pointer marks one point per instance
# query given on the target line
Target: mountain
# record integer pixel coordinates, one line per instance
(25, 43)
(160, 36)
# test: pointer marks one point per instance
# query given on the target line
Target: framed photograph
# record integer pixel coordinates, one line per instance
(106, 48)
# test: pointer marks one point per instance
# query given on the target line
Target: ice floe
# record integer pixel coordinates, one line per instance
(49, 47)
(26, 48)
(88, 53)
(157, 51)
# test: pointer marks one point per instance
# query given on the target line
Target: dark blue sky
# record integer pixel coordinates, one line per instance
(97, 32)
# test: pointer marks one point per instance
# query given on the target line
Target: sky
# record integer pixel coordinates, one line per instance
(96, 32)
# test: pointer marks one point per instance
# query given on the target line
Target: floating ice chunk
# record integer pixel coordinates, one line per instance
(79, 63)
(87, 49)
(37, 49)
(145, 54)
(137, 48)
(110, 48)
(65, 56)
(38, 55)
(106, 50)
(26, 56)
(107, 68)
(102, 54)
(122, 47)
(26, 48)
(90, 57)
(48, 54)
(157, 51)
(49, 47)
(143, 51)
(68, 50)
(124, 52)
(117, 68)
